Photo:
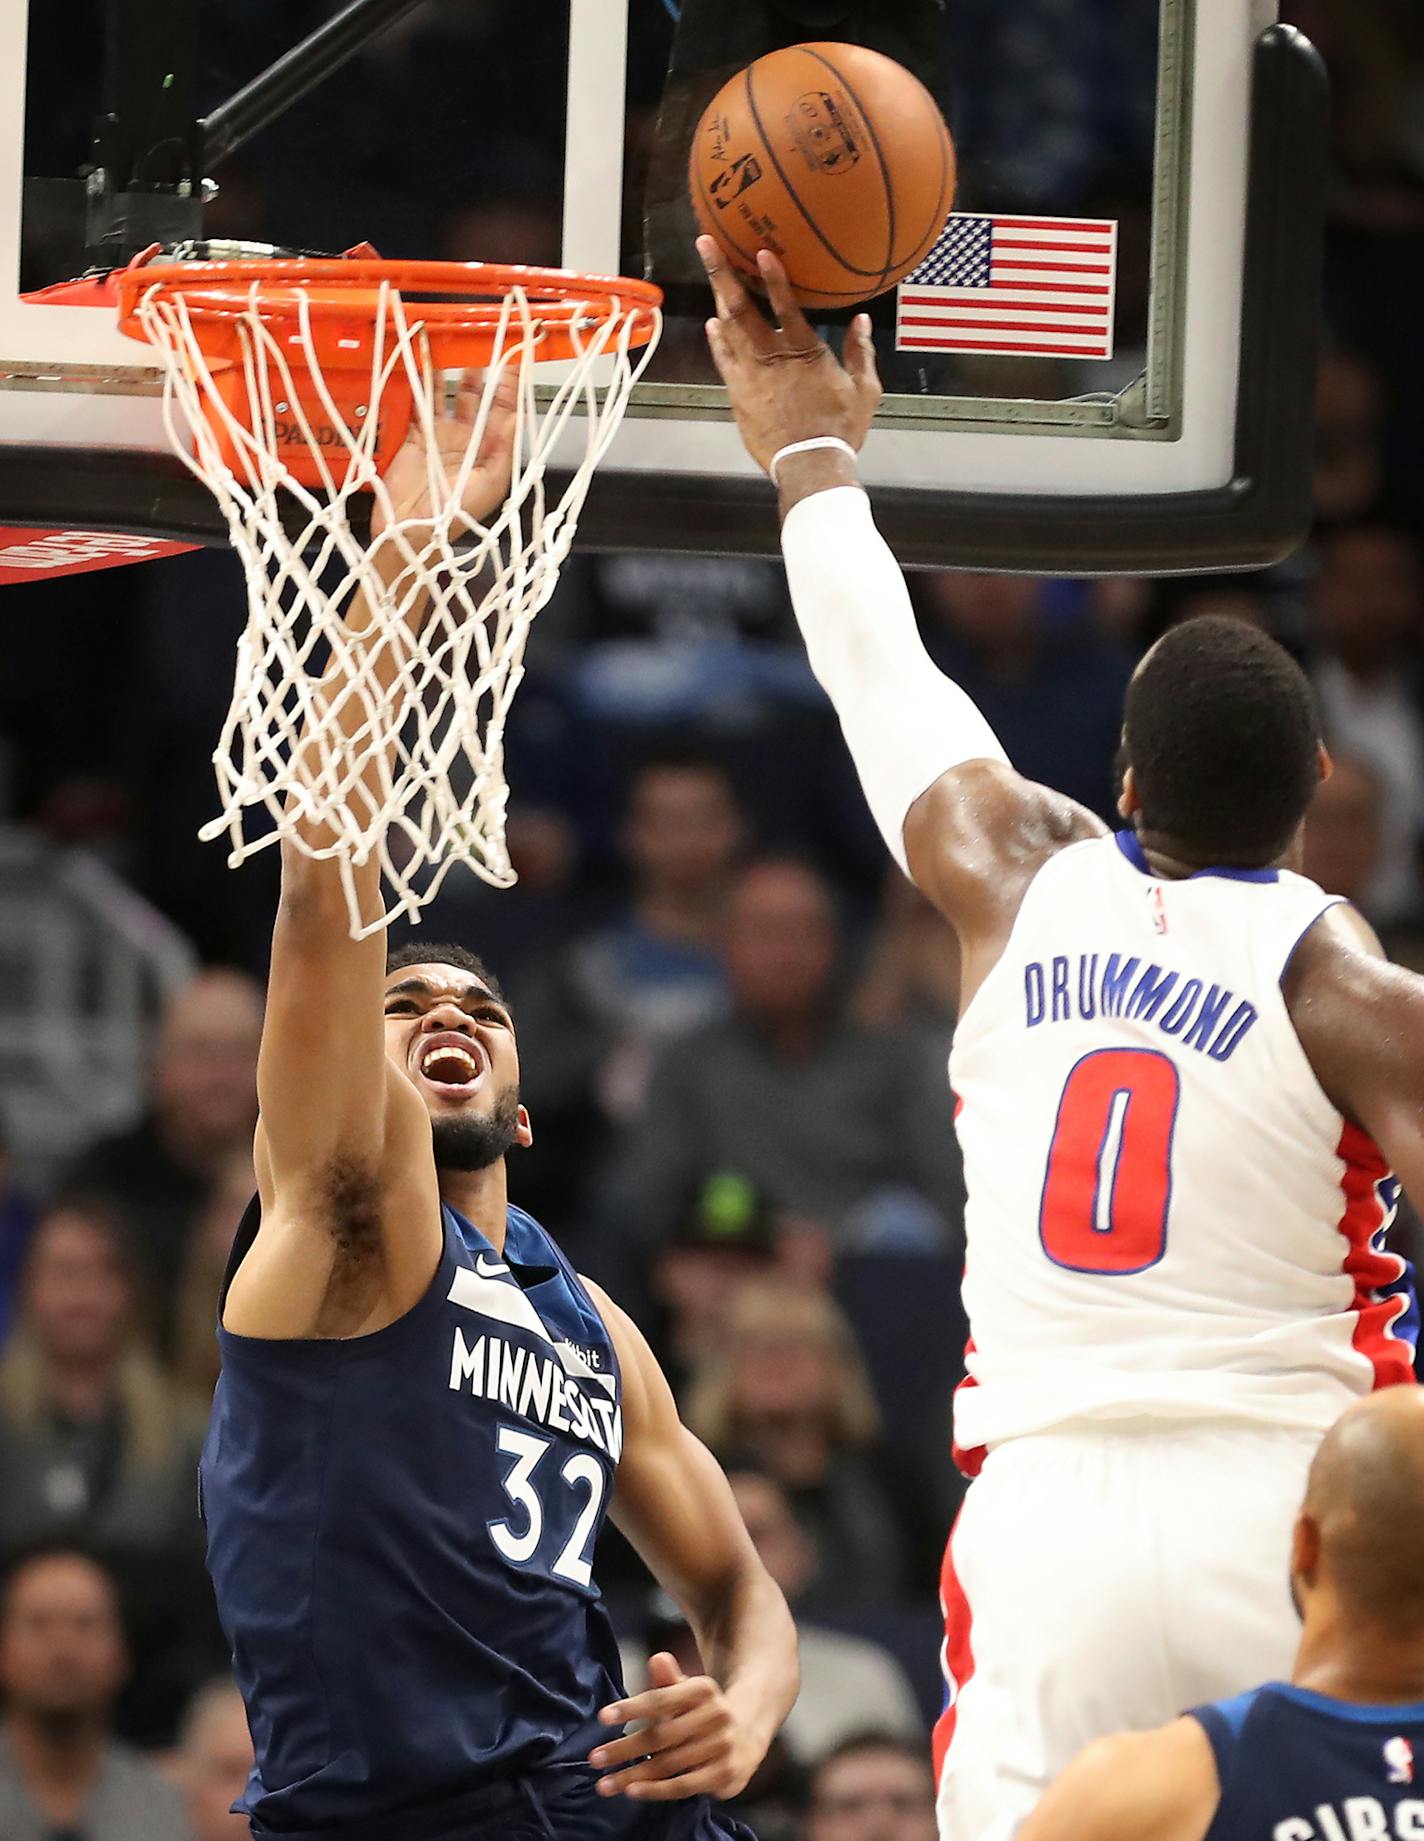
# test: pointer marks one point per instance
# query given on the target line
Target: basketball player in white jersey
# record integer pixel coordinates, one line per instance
(1175, 1061)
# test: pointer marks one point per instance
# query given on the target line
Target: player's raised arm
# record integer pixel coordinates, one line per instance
(338, 1122)
(967, 828)
(699, 1735)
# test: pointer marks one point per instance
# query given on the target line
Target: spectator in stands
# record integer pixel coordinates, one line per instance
(847, 1125)
(1040, 667)
(592, 1015)
(62, 1662)
(873, 1786)
(91, 1439)
(202, 1108)
(656, 968)
(788, 1392)
(1342, 831)
(214, 1760)
(1369, 602)
(911, 977)
(727, 1239)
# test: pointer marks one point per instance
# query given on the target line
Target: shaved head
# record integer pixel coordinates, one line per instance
(1365, 1498)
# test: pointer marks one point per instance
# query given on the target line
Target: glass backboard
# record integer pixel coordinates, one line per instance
(1163, 160)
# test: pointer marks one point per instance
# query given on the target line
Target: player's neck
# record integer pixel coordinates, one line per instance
(1347, 1660)
(1170, 862)
(482, 1197)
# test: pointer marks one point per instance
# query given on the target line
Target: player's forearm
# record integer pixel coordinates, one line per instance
(748, 1643)
(904, 721)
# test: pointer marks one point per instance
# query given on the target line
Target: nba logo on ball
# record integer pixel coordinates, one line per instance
(1398, 1761)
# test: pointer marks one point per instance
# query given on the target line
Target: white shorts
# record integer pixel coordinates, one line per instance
(1101, 1579)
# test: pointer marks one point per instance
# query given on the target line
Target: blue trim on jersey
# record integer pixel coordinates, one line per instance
(1300, 938)
(1130, 846)
(1356, 1713)
(1233, 1712)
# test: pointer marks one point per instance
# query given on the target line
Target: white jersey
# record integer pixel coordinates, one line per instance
(1166, 1215)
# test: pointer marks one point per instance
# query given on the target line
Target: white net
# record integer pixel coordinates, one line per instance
(404, 758)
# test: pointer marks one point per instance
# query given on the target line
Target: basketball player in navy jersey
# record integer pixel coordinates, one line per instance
(425, 1413)
(1338, 1754)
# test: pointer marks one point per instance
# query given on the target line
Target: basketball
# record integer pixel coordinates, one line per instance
(833, 157)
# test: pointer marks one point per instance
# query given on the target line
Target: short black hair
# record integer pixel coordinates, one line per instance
(439, 952)
(1221, 731)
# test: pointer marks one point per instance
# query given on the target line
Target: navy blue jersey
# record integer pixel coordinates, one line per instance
(400, 1535)
(1296, 1766)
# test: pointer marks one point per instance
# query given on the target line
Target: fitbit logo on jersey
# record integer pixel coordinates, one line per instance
(1204, 1017)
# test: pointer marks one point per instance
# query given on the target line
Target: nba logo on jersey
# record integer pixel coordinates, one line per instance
(1398, 1761)
(1157, 907)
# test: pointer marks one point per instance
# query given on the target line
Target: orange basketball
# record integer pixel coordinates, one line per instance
(832, 156)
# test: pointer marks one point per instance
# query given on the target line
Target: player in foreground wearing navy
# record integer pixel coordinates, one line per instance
(424, 1414)
(1338, 1755)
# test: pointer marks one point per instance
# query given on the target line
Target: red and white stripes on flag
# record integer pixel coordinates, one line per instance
(1040, 286)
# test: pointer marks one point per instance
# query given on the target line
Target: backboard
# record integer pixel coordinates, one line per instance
(1167, 155)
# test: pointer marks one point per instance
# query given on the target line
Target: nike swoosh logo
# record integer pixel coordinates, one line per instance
(489, 1268)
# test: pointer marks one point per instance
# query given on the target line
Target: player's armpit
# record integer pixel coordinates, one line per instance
(1360, 1021)
(339, 1147)
(976, 839)
(676, 1507)
(1141, 1786)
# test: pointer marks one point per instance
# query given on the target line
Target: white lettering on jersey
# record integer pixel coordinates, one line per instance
(535, 1387)
(1166, 1215)
(1359, 1818)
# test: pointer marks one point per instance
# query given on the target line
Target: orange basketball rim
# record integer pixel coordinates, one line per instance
(322, 331)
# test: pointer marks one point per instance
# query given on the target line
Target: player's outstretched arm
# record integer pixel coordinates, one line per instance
(1138, 1786)
(700, 1735)
(968, 829)
(338, 1124)
(1360, 1021)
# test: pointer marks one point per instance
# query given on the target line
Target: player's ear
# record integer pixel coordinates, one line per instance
(523, 1130)
(1128, 803)
(1305, 1553)
(1325, 766)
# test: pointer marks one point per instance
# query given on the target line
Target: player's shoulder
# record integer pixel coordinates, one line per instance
(979, 835)
(1133, 1786)
(1338, 973)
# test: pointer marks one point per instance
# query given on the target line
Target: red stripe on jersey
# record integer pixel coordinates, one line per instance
(1371, 1267)
(956, 1656)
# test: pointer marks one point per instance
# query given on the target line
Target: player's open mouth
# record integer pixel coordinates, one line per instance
(452, 1064)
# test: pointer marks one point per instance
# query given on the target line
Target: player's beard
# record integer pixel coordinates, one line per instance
(474, 1143)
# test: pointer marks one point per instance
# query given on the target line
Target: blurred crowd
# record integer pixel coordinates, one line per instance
(733, 1019)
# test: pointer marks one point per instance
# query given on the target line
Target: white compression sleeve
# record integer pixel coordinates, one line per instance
(904, 721)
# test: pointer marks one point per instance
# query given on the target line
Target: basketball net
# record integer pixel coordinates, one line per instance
(285, 453)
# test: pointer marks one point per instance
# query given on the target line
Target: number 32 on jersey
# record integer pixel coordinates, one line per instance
(1108, 1184)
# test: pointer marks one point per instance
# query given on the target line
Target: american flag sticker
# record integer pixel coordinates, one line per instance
(1042, 286)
